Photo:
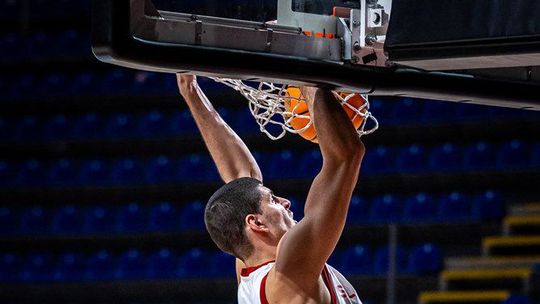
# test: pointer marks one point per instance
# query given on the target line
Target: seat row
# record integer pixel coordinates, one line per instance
(99, 172)
(162, 169)
(72, 220)
(134, 217)
(44, 10)
(135, 264)
(123, 82)
(105, 265)
(44, 46)
(109, 126)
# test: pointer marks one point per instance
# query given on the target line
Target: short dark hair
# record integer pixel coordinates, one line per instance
(226, 211)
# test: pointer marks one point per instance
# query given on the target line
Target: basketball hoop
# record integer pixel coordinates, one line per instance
(270, 105)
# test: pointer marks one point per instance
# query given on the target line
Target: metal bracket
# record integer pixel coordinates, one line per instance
(269, 37)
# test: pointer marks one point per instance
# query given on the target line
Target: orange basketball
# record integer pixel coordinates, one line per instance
(293, 104)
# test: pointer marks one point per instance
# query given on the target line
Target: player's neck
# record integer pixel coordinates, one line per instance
(261, 254)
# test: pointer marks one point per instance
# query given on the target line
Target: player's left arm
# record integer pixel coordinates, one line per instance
(230, 154)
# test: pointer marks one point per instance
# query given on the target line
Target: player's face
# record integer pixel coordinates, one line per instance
(276, 211)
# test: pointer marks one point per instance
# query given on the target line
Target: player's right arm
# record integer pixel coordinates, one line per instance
(231, 156)
(304, 250)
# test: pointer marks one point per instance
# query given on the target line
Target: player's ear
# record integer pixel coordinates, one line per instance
(255, 223)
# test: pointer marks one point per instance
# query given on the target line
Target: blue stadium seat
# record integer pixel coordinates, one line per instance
(9, 221)
(412, 159)
(161, 170)
(10, 10)
(380, 160)
(222, 265)
(196, 167)
(94, 172)
(148, 83)
(53, 85)
(88, 126)
(357, 260)
(182, 123)
(67, 220)
(383, 109)
(517, 299)
(118, 82)
(386, 208)
(6, 129)
(164, 217)
(13, 47)
(472, 112)
(28, 129)
(162, 264)
(445, 158)
(73, 43)
(58, 127)
(515, 155)
(381, 260)
(454, 206)
(283, 165)
(536, 155)
(35, 221)
(23, 87)
(480, 156)
(245, 122)
(85, 84)
(310, 163)
(10, 265)
(100, 266)
(7, 174)
(69, 267)
(439, 111)
(193, 264)
(425, 259)
(40, 45)
(192, 216)
(131, 265)
(121, 125)
(488, 205)
(37, 267)
(63, 172)
(154, 125)
(420, 208)
(99, 220)
(358, 210)
(297, 207)
(132, 218)
(408, 111)
(31, 173)
(127, 171)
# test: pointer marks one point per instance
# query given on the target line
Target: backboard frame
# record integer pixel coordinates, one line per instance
(113, 42)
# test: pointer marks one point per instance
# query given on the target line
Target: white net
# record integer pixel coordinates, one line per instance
(279, 109)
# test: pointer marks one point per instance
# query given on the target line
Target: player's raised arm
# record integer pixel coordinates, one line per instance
(304, 249)
(231, 156)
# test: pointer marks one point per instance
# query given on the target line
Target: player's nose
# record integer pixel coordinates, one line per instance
(285, 203)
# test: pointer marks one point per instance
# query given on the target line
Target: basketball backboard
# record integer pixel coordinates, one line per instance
(338, 43)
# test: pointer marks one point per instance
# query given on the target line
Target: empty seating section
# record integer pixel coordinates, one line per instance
(165, 263)
(136, 218)
(160, 169)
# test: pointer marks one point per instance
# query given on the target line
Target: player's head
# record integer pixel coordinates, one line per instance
(245, 207)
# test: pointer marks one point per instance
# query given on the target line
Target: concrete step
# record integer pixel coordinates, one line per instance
(476, 263)
(521, 225)
(511, 245)
(486, 279)
(463, 297)
(525, 209)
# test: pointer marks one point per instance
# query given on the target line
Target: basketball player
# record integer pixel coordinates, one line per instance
(280, 260)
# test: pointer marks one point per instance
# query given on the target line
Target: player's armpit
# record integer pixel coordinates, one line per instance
(304, 250)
